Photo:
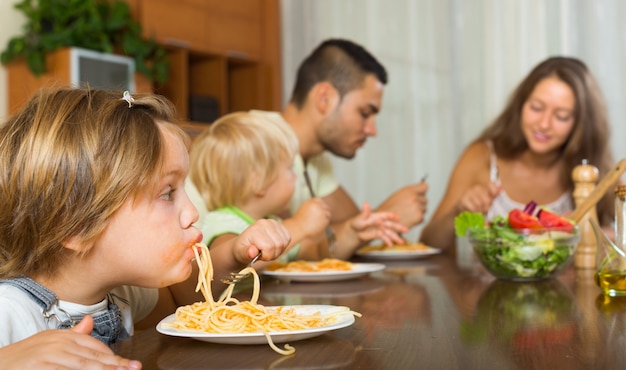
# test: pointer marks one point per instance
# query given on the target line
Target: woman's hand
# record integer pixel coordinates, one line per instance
(478, 198)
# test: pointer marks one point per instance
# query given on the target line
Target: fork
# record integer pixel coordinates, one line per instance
(330, 233)
(236, 277)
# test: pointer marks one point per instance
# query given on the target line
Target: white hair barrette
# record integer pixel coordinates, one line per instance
(129, 99)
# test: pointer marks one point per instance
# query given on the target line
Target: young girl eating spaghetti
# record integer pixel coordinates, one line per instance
(93, 220)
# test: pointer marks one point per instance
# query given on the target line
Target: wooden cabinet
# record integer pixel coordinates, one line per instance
(228, 51)
(182, 23)
(233, 28)
(21, 83)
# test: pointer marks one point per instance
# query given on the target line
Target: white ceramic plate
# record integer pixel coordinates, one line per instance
(358, 270)
(398, 254)
(343, 320)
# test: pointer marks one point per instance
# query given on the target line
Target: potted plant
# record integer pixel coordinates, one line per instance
(100, 25)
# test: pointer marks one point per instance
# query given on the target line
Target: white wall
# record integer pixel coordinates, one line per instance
(10, 25)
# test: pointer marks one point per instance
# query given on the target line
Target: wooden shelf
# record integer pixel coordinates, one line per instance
(228, 51)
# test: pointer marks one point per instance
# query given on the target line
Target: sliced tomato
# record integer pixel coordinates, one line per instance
(549, 219)
(518, 219)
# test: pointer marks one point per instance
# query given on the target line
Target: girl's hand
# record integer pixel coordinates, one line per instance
(267, 236)
(63, 349)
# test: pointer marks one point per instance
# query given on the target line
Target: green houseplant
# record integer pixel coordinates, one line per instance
(100, 25)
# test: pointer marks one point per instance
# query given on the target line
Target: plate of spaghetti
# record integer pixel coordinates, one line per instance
(328, 269)
(231, 321)
(397, 252)
(328, 316)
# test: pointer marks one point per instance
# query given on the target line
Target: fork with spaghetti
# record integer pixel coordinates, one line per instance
(236, 277)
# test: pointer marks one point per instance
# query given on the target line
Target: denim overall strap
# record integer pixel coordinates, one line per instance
(107, 327)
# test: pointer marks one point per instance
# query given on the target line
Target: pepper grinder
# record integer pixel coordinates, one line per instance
(585, 177)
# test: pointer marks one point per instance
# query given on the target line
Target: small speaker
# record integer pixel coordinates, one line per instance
(203, 108)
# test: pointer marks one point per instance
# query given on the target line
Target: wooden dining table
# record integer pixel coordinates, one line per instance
(442, 311)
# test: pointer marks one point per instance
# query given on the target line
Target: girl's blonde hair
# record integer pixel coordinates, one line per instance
(238, 155)
(70, 159)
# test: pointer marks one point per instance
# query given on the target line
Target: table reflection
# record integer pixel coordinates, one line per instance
(276, 292)
(432, 313)
(526, 320)
(184, 354)
(612, 332)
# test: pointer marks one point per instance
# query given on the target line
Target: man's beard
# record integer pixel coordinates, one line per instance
(336, 150)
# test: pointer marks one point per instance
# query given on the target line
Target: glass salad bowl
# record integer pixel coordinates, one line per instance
(524, 254)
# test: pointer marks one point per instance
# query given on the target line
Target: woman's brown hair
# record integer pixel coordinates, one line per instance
(589, 139)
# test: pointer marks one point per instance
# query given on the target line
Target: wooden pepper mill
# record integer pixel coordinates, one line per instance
(585, 177)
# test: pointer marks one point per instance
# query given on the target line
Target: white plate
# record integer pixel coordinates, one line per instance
(399, 254)
(343, 320)
(358, 270)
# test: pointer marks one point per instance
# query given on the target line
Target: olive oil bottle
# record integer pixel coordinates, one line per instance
(611, 257)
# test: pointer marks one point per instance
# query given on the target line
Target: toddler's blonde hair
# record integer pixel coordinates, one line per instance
(239, 154)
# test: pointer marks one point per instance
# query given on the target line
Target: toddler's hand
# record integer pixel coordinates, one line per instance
(312, 217)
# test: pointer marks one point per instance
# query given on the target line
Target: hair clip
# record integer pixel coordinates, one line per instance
(129, 99)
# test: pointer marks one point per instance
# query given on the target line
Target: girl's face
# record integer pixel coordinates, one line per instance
(279, 192)
(548, 115)
(148, 242)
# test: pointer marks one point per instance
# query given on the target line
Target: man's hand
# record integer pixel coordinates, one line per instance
(370, 225)
(409, 203)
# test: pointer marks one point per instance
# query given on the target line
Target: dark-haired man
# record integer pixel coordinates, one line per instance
(333, 107)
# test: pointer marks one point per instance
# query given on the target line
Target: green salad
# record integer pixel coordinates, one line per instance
(514, 253)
